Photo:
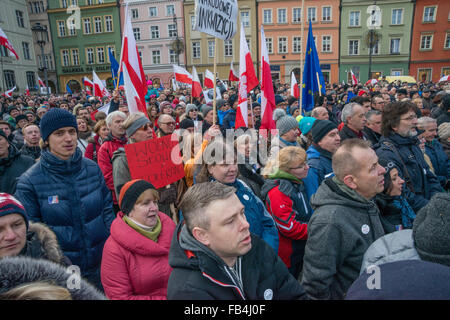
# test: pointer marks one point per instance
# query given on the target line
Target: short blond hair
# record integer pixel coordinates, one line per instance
(283, 160)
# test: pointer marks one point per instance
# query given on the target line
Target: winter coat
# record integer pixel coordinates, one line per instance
(32, 152)
(249, 175)
(319, 162)
(105, 155)
(135, 267)
(423, 181)
(229, 120)
(71, 197)
(395, 210)
(199, 274)
(343, 226)
(222, 114)
(445, 146)
(92, 148)
(12, 168)
(347, 133)
(392, 247)
(17, 271)
(18, 139)
(439, 160)
(371, 135)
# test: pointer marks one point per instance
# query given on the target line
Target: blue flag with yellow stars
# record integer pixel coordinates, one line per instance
(312, 74)
(114, 69)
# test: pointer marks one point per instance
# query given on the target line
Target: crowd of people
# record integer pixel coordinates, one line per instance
(305, 212)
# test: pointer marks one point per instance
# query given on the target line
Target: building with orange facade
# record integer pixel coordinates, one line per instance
(430, 48)
(282, 26)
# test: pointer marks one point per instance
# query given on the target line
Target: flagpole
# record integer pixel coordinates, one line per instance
(301, 56)
(318, 84)
(215, 81)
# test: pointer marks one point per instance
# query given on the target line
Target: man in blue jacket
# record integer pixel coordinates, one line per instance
(68, 193)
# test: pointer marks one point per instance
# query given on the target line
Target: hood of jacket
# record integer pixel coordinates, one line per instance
(62, 167)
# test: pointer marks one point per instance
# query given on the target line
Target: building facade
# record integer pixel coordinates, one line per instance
(15, 23)
(391, 52)
(282, 26)
(200, 46)
(430, 50)
(37, 11)
(157, 26)
(83, 32)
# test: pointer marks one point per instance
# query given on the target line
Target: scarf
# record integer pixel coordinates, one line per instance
(151, 233)
(84, 135)
(280, 174)
(289, 144)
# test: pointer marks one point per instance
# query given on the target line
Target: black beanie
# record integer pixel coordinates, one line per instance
(130, 192)
(56, 119)
(321, 128)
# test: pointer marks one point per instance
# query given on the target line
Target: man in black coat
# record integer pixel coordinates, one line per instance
(214, 256)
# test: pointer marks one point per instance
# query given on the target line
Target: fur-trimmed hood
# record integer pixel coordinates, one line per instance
(16, 271)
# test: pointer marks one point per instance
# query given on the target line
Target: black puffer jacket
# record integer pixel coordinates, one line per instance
(12, 168)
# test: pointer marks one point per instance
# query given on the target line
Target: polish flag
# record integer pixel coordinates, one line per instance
(41, 83)
(181, 75)
(233, 76)
(99, 89)
(247, 81)
(27, 91)
(88, 85)
(209, 79)
(9, 92)
(196, 85)
(354, 80)
(295, 90)
(133, 100)
(267, 94)
(8, 45)
(130, 58)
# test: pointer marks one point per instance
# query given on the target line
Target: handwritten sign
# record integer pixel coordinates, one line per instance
(157, 161)
(217, 18)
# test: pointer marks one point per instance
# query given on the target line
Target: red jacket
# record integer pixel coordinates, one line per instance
(133, 266)
(92, 149)
(105, 154)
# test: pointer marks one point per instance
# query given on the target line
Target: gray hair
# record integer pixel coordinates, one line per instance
(348, 111)
(371, 113)
(424, 121)
(110, 117)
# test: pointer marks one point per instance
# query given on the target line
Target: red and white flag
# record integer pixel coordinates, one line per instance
(27, 91)
(354, 80)
(196, 85)
(247, 81)
(267, 94)
(88, 85)
(41, 83)
(8, 45)
(130, 58)
(133, 100)
(99, 89)
(233, 76)
(371, 82)
(209, 79)
(9, 92)
(182, 75)
(444, 79)
(295, 90)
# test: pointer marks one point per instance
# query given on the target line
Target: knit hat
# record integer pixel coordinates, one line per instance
(205, 110)
(306, 124)
(164, 104)
(278, 99)
(321, 128)
(284, 122)
(11, 108)
(187, 123)
(388, 166)
(431, 230)
(56, 119)
(138, 123)
(130, 192)
(21, 117)
(190, 107)
(444, 131)
(10, 205)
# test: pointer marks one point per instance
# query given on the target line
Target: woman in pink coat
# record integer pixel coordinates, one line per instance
(135, 262)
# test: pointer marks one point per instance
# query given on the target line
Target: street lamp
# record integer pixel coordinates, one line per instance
(177, 44)
(41, 36)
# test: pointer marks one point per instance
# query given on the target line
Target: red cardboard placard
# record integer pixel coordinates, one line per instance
(157, 161)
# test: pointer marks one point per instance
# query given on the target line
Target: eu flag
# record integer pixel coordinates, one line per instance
(68, 89)
(114, 68)
(312, 74)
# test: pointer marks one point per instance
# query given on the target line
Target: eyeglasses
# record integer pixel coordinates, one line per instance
(410, 118)
(145, 127)
(168, 123)
(300, 167)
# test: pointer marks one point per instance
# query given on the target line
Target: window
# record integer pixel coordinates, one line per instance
(97, 24)
(64, 3)
(156, 57)
(72, 30)
(312, 14)
(173, 57)
(65, 58)
(282, 16)
(19, 18)
(3, 52)
(326, 43)
(248, 44)
(10, 79)
(152, 12)
(282, 45)
(376, 48)
(296, 15)
(108, 24)
(137, 33)
(397, 16)
(395, 46)
(26, 50)
(245, 18)
(154, 32)
(172, 30)
(354, 18)
(90, 59)
(447, 41)
(100, 55)
(196, 50)
(353, 47)
(31, 79)
(48, 62)
(75, 57)
(87, 28)
(326, 13)
(61, 28)
(269, 45)
(426, 42)
(113, 52)
(228, 48)
(211, 44)
(296, 44)
(429, 14)
(170, 10)
(90, 2)
(192, 22)
(396, 72)
(134, 13)
(267, 16)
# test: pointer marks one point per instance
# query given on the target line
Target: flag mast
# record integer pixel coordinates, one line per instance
(301, 56)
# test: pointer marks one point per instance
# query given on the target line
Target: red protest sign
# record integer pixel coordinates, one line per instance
(157, 161)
